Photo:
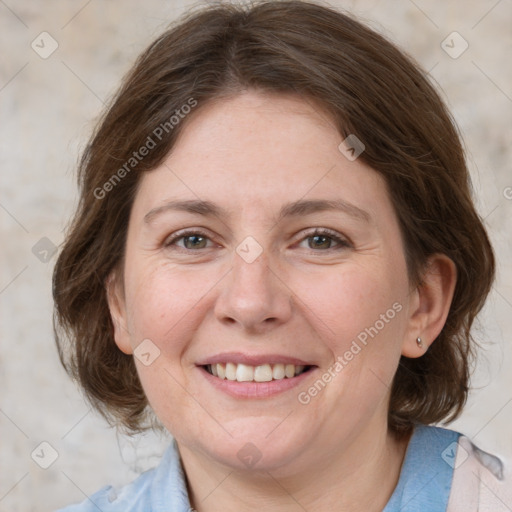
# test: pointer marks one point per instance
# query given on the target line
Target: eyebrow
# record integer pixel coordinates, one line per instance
(294, 209)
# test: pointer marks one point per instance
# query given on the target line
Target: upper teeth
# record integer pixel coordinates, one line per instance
(262, 373)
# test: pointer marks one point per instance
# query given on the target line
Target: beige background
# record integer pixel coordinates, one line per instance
(47, 109)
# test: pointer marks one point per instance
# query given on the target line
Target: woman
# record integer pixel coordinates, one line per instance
(276, 253)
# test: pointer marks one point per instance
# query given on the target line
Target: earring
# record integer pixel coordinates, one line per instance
(419, 341)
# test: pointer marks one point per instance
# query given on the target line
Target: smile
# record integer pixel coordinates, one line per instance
(249, 376)
(261, 373)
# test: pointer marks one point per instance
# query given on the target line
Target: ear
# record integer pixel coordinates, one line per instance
(117, 306)
(430, 304)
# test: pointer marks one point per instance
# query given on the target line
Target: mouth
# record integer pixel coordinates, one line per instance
(261, 373)
(254, 376)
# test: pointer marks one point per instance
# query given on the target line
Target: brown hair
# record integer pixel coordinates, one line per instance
(370, 89)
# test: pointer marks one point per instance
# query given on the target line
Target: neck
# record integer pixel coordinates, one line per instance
(360, 477)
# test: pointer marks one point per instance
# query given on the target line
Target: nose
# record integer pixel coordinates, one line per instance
(254, 297)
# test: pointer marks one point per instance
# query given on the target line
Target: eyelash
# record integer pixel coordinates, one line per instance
(342, 242)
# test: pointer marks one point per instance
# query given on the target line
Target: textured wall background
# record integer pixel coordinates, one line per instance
(48, 107)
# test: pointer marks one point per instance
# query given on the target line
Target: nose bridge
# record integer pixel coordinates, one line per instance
(253, 296)
(252, 272)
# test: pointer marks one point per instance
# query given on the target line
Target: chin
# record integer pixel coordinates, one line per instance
(257, 444)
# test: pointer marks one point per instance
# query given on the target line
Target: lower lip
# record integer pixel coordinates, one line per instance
(255, 389)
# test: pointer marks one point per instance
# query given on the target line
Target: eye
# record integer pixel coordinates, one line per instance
(320, 238)
(323, 238)
(192, 239)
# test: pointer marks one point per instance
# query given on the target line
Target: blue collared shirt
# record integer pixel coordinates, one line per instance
(424, 484)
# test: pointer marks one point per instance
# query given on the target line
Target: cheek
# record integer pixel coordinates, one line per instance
(164, 306)
(361, 311)
(163, 301)
(358, 303)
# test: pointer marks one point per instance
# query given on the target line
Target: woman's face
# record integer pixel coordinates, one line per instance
(224, 273)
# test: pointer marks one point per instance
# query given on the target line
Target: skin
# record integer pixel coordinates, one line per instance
(302, 297)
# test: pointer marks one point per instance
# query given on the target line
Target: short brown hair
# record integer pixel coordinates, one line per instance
(370, 89)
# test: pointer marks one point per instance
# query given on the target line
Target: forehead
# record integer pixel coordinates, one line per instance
(254, 152)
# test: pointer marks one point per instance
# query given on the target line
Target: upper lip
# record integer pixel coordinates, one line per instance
(252, 359)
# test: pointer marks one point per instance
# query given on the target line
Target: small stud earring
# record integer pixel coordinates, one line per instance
(419, 341)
